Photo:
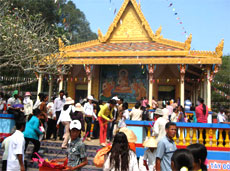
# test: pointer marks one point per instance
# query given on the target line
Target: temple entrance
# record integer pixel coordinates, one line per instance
(166, 92)
(81, 92)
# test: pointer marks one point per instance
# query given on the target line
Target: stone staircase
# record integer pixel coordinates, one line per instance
(52, 149)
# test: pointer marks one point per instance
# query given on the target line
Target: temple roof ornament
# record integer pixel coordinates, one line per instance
(60, 44)
(158, 32)
(187, 45)
(219, 48)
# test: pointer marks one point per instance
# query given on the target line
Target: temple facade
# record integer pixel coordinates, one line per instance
(133, 62)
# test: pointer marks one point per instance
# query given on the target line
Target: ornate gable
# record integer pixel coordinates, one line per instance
(129, 25)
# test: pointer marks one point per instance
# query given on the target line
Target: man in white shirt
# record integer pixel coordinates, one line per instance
(5, 146)
(187, 105)
(14, 100)
(159, 125)
(221, 117)
(15, 159)
(58, 105)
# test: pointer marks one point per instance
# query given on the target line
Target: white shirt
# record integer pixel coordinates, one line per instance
(50, 107)
(126, 114)
(28, 106)
(88, 110)
(37, 104)
(174, 117)
(221, 117)
(136, 114)
(16, 146)
(150, 157)
(188, 105)
(58, 105)
(133, 164)
(159, 128)
(5, 145)
(12, 101)
(65, 115)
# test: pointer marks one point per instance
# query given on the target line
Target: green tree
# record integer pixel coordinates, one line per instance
(222, 84)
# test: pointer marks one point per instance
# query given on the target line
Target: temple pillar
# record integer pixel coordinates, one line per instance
(182, 75)
(50, 87)
(39, 85)
(151, 71)
(209, 87)
(205, 91)
(88, 70)
(60, 83)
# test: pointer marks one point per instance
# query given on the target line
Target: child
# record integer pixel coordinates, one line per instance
(199, 153)
(77, 157)
(182, 160)
(150, 153)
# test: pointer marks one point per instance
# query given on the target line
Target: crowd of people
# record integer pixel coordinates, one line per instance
(63, 119)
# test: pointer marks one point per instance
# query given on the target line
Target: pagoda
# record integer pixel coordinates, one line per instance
(133, 62)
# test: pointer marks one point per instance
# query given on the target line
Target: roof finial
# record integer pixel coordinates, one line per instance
(219, 48)
(158, 32)
(100, 36)
(187, 45)
(60, 43)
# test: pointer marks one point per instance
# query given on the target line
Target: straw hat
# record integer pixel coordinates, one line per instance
(132, 138)
(79, 108)
(69, 101)
(150, 142)
(158, 112)
(90, 97)
(27, 94)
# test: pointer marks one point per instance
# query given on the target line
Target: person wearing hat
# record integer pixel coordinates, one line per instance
(65, 119)
(159, 125)
(78, 115)
(77, 156)
(105, 115)
(89, 115)
(131, 136)
(14, 100)
(150, 153)
(28, 105)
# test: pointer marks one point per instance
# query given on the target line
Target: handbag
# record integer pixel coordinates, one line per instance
(99, 159)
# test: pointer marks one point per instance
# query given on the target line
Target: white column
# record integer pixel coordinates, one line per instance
(50, 87)
(182, 91)
(39, 85)
(150, 92)
(89, 85)
(201, 90)
(205, 90)
(61, 83)
(208, 88)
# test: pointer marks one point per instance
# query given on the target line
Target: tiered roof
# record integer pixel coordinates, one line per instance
(130, 40)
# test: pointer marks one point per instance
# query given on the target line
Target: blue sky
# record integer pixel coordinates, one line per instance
(207, 20)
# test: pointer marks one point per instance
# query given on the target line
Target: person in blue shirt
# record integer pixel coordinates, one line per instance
(32, 131)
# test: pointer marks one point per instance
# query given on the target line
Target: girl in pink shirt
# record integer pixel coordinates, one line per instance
(201, 111)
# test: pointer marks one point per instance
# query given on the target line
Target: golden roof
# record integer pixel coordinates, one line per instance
(130, 40)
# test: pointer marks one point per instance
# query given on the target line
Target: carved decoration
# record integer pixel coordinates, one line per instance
(151, 72)
(88, 71)
(100, 36)
(187, 45)
(60, 44)
(182, 72)
(219, 48)
(158, 32)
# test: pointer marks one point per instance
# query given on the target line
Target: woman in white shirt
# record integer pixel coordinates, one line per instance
(89, 115)
(65, 119)
(120, 157)
(28, 105)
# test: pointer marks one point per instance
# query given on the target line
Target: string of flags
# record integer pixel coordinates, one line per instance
(224, 85)
(18, 84)
(178, 18)
(4, 78)
(223, 94)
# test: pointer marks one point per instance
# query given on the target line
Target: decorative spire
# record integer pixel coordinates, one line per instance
(100, 36)
(219, 48)
(187, 45)
(158, 32)
(60, 43)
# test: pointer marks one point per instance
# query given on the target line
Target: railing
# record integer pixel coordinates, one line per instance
(189, 133)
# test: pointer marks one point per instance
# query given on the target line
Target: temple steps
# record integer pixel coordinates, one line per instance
(52, 149)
